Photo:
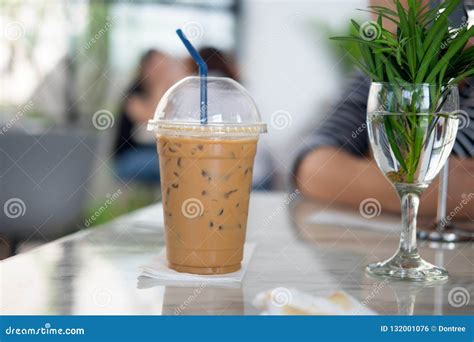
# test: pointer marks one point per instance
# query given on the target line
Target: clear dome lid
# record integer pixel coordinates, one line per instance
(230, 109)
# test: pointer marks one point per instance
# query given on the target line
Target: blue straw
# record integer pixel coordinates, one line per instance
(202, 73)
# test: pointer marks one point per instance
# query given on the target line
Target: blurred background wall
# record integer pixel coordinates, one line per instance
(66, 64)
(291, 68)
(74, 58)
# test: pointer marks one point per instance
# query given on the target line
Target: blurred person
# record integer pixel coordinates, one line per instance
(136, 157)
(221, 64)
(336, 165)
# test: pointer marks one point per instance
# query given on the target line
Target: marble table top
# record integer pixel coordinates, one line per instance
(302, 245)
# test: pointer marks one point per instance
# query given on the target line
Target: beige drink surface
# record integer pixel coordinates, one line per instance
(205, 186)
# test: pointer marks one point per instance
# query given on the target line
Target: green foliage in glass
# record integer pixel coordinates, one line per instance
(424, 50)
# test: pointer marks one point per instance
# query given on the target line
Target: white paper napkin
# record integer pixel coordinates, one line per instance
(288, 301)
(157, 273)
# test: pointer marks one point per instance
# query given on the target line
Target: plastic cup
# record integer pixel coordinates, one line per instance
(206, 173)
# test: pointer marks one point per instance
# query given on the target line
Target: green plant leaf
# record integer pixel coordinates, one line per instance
(431, 52)
(455, 47)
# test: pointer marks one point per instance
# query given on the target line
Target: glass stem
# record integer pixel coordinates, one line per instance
(406, 304)
(410, 201)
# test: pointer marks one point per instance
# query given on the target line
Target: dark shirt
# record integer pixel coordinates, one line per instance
(345, 127)
(124, 140)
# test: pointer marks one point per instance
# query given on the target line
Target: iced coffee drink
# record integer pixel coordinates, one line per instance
(206, 173)
(205, 186)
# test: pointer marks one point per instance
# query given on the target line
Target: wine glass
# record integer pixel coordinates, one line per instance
(412, 129)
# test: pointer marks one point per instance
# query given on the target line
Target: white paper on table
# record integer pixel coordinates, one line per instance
(352, 220)
(289, 301)
(157, 273)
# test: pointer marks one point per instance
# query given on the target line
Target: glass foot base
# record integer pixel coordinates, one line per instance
(409, 267)
(449, 233)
